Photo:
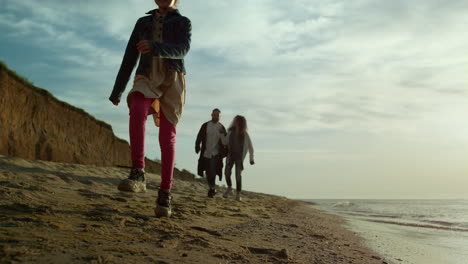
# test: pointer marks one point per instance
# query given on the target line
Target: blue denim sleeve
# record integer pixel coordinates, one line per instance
(128, 64)
(175, 50)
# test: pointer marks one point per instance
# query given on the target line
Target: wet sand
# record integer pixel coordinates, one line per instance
(67, 213)
(406, 245)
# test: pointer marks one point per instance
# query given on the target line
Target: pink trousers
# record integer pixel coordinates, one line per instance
(139, 110)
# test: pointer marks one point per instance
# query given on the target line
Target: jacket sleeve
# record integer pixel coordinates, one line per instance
(224, 137)
(250, 148)
(175, 50)
(128, 63)
(199, 138)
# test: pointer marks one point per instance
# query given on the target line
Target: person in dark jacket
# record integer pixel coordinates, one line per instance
(160, 42)
(212, 150)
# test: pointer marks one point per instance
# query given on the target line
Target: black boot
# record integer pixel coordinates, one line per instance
(163, 204)
(136, 182)
(211, 192)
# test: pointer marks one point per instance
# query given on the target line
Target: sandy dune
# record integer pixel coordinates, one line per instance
(67, 213)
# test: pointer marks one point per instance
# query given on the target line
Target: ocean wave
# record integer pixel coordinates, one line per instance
(385, 216)
(343, 204)
(420, 225)
(442, 223)
(370, 214)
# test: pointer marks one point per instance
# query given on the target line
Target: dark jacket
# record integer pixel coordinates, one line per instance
(176, 44)
(201, 138)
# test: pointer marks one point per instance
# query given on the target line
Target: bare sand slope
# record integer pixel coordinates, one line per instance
(66, 213)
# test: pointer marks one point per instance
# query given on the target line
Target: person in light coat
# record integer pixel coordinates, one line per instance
(238, 143)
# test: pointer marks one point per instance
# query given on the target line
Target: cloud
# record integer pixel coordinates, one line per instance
(304, 61)
(313, 78)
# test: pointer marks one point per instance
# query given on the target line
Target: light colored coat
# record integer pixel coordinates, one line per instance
(248, 147)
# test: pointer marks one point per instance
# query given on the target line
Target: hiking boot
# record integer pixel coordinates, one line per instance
(211, 192)
(163, 204)
(238, 197)
(228, 192)
(136, 182)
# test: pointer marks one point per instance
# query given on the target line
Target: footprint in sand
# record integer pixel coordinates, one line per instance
(240, 215)
(268, 251)
(21, 209)
(230, 209)
(23, 186)
(216, 214)
(92, 195)
(211, 232)
(119, 199)
(102, 212)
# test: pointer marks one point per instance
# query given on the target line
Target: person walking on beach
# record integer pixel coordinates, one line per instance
(160, 41)
(212, 150)
(239, 143)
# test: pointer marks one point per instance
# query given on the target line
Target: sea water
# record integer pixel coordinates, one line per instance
(408, 231)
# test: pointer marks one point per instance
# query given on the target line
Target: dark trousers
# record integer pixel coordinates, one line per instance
(211, 171)
(228, 172)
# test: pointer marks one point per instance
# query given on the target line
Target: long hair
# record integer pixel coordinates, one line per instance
(241, 124)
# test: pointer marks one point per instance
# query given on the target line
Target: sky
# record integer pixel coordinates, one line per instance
(343, 99)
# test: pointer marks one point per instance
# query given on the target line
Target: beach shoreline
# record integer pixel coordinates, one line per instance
(406, 231)
(69, 213)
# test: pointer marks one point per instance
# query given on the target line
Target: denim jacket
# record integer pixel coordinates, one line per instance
(176, 44)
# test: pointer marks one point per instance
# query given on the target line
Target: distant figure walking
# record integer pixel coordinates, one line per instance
(212, 150)
(160, 41)
(239, 143)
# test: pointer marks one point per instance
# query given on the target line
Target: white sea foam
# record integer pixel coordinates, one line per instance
(343, 204)
(408, 231)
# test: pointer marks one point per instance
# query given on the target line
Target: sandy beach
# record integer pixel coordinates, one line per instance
(67, 213)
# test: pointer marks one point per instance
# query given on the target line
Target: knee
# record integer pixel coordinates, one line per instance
(138, 111)
(167, 135)
(167, 141)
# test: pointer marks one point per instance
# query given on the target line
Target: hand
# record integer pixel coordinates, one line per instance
(197, 149)
(144, 46)
(116, 103)
(252, 162)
